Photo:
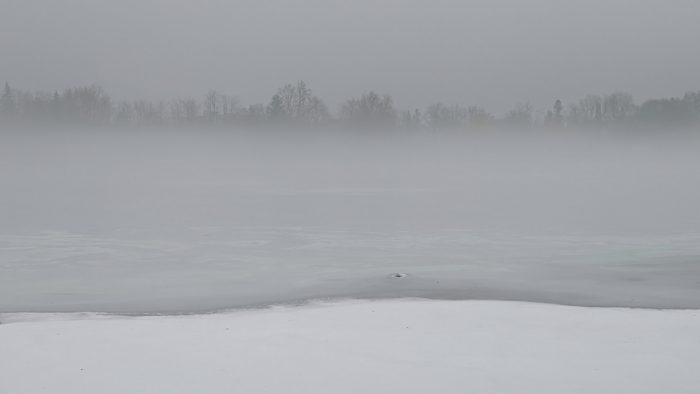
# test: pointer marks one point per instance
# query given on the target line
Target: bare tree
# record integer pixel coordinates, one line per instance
(125, 114)
(254, 114)
(184, 110)
(7, 102)
(479, 118)
(370, 110)
(190, 108)
(297, 103)
(411, 119)
(211, 104)
(618, 106)
(176, 111)
(229, 106)
(520, 117)
(440, 116)
(147, 113)
(88, 104)
(588, 110)
(295, 99)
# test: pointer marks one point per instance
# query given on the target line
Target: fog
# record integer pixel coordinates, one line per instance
(477, 52)
(183, 156)
(191, 220)
(543, 183)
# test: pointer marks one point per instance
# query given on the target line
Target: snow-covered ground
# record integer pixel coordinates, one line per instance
(400, 346)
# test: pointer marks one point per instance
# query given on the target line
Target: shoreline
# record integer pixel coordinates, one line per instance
(300, 304)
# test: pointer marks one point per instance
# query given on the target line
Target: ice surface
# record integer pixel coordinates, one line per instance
(193, 221)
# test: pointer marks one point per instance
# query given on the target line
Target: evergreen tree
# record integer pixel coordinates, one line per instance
(275, 110)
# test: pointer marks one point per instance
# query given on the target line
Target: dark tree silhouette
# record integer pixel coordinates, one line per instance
(297, 104)
(369, 111)
(7, 102)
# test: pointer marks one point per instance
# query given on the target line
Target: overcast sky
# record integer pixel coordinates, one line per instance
(494, 53)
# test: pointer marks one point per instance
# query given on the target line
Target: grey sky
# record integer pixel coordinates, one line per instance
(493, 53)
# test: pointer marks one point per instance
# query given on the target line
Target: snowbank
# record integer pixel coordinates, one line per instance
(406, 346)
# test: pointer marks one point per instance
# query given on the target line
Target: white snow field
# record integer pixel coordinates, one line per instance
(400, 346)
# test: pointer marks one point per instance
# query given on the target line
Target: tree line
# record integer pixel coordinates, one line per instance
(297, 105)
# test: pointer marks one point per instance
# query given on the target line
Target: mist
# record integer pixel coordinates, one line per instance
(198, 156)
(396, 196)
(489, 53)
(186, 220)
(535, 182)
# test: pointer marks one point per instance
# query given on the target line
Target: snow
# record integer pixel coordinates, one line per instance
(397, 346)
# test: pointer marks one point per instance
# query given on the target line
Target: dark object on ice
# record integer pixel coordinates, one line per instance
(398, 275)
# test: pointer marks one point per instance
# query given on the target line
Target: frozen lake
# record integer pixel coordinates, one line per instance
(186, 222)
